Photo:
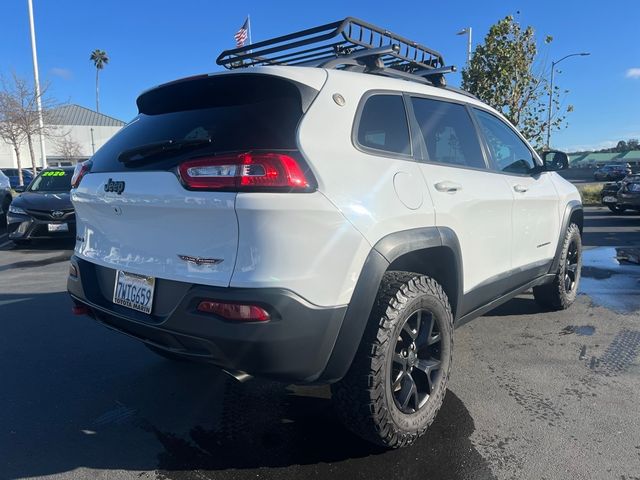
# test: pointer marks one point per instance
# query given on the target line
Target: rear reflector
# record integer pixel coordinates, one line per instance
(246, 172)
(80, 310)
(235, 311)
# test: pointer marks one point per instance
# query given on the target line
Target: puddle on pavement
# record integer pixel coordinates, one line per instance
(611, 278)
(582, 330)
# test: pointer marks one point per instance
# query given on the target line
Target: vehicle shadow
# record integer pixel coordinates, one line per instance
(520, 305)
(44, 245)
(76, 395)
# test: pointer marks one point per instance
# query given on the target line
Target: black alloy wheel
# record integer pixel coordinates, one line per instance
(416, 362)
(571, 268)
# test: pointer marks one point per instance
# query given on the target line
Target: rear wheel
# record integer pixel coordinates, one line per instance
(398, 379)
(561, 293)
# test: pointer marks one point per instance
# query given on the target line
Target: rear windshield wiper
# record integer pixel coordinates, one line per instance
(144, 152)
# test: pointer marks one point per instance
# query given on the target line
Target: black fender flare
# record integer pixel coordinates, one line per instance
(574, 206)
(384, 252)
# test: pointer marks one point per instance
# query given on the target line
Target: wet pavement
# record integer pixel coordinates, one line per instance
(533, 394)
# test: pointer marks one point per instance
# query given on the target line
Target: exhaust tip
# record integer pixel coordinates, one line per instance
(241, 377)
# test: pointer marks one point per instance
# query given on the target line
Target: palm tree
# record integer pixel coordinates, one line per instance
(99, 59)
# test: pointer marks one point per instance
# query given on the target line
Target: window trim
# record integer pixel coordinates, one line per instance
(375, 151)
(493, 166)
(417, 132)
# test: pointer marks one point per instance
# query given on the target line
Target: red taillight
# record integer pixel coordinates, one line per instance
(235, 311)
(246, 172)
(80, 171)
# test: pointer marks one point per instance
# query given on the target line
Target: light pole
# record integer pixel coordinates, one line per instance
(549, 113)
(36, 81)
(467, 31)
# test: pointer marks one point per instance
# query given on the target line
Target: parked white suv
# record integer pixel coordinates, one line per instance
(326, 222)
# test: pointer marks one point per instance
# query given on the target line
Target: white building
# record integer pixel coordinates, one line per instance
(88, 128)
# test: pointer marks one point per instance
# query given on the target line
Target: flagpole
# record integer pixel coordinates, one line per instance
(36, 82)
(249, 25)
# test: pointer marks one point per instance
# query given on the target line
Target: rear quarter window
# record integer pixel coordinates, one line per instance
(382, 125)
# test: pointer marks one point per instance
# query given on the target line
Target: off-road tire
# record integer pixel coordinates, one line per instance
(616, 208)
(364, 398)
(555, 296)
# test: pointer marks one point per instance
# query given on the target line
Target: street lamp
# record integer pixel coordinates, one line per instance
(467, 32)
(553, 68)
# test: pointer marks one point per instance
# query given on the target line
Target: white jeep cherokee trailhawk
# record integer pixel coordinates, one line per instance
(325, 212)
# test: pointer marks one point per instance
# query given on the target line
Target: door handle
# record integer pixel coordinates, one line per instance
(448, 187)
(520, 188)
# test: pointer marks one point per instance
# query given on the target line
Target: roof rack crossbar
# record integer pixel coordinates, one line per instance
(360, 54)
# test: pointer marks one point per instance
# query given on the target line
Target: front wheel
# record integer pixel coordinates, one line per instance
(616, 208)
(5, 209)
(398, 379)
(561, 293)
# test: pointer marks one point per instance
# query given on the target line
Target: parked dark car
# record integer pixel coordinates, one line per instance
(622, 195)
(5, 195)
(43, 209)
(629, 193)
(12, 173)
(611, 172)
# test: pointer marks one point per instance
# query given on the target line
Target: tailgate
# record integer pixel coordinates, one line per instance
(152, 222)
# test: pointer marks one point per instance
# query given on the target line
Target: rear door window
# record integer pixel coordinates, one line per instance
(235, 112)
(383, 125)
(510, 154)
(448, 132)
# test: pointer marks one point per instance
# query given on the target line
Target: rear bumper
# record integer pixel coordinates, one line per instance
(25, 227)
(294, 346)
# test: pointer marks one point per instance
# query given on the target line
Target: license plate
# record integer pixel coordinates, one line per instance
(609, 199)
(58, 227)
(134, 291)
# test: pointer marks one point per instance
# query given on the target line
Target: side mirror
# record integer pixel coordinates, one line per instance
(20, 188)
(554, 160)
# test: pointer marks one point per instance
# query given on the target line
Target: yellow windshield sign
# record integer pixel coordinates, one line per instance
(54, 173)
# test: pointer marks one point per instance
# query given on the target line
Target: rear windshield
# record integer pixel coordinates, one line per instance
(52, 181)
(235, 112)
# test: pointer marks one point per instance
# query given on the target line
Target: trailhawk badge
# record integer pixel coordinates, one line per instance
(200, 261)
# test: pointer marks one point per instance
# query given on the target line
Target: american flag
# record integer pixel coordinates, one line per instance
(242, 34)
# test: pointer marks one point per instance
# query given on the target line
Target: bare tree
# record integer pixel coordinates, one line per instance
(23, 98)
(10, 131)
(68, 148)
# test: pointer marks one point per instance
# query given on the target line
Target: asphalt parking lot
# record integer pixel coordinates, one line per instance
(533, 395)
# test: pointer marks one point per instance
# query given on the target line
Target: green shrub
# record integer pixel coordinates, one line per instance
(590, 193)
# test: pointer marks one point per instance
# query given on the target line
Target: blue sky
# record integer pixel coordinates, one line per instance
(153, 41)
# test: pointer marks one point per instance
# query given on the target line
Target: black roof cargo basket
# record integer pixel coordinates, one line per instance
(349, 44)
